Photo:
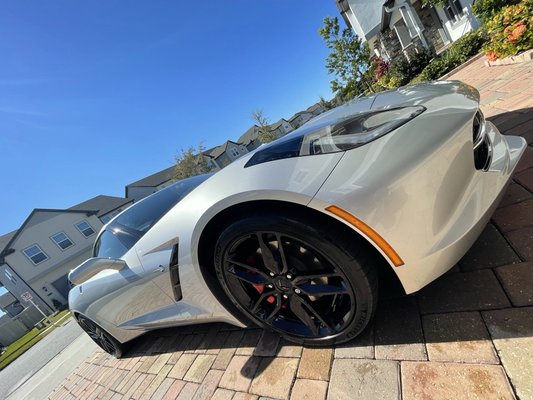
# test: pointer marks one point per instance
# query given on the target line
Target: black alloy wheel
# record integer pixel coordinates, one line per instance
(296, 279)
(103, 339)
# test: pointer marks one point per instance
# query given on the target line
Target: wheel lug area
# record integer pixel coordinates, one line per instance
(285, 296)
(272, 274)
(297, 291)
(270, 286)
(289, 276)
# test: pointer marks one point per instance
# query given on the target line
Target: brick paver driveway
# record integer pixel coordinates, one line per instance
(467, 335)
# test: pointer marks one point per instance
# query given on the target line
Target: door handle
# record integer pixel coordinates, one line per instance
(160, 268)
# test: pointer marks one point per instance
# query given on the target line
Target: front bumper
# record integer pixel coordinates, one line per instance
(421, 192)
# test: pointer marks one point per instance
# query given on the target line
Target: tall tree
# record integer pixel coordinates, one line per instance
(191, 162)
(348, 61)
(265, 134)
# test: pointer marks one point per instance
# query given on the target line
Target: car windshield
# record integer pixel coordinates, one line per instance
(126, 229)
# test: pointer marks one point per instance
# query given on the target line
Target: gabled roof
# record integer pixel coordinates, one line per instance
(102, 204)
(249, 136)
(313, 107)
(28, 222)
(277, 124)
(298, 114)
(154, 180)
(218, 151)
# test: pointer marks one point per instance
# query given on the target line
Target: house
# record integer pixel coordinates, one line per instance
(281, 128)
(316, 109)
(226, 153)
(37, 257)
(402, 27)
(150, 184)
(249, 139)
(300, 118)
(107, 206)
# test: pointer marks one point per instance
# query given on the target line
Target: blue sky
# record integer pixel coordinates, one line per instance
(96, 95)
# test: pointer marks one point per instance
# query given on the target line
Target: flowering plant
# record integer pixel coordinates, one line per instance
(510, 31)
(381, 68)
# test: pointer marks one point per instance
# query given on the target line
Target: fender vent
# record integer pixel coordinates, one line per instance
(174, 273)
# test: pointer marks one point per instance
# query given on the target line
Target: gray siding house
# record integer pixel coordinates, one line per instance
(37, 257)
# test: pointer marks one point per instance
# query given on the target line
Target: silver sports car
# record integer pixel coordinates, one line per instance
(294, 236)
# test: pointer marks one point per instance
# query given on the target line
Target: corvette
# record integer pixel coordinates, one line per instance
(296, 235)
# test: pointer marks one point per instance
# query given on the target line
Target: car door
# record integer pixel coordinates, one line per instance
(128, 298)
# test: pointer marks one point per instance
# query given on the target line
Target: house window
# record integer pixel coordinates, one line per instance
(35, 254)
(454, 10)
(85, 228)
(62, 240)
(234, 152)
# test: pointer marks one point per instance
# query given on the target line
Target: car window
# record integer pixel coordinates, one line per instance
(142, 216)
(126, 229)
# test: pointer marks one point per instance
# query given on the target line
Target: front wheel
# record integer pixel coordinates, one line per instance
(307, 282)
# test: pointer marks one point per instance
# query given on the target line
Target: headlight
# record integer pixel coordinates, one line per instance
(345, 134)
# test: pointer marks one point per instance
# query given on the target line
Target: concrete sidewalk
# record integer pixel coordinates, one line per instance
(469, 335)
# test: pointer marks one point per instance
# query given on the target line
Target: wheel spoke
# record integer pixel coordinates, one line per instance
(283, 259)
(318, 316)
(298, 309)
(247, 273)
(305, 278)
(268, 257)
(275, 311)
(322, 289)
(260, 300)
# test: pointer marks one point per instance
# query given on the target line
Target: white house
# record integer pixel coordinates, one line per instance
(396, 27)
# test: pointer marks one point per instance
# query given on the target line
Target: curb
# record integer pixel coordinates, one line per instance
(517, 59)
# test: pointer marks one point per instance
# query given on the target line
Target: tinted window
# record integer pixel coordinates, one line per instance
(133, 223)
(109, 245)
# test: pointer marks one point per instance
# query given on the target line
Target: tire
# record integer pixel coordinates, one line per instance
(103, 339)
(307, 281)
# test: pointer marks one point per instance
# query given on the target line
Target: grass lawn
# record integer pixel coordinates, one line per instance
(18, 347)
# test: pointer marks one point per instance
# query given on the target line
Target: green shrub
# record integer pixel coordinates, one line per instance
(510, 31)
(402, 71)
(459, 52)
(485, 9)
(469, 45)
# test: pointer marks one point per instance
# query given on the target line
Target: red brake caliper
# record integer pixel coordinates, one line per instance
(260, 287)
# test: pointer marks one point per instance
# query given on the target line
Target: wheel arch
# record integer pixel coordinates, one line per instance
(217, 224)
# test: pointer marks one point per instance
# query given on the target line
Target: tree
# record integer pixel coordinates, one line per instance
(326, 104)
(191, 162)
(265, 134)
(349, 60)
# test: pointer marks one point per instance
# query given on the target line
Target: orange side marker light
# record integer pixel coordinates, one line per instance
(369, 232)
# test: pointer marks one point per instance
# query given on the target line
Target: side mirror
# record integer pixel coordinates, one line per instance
(93, 266)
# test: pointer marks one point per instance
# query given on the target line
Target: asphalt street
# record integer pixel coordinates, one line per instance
(23, 368)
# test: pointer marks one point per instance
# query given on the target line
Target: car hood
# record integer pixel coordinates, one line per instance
(405, 96)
